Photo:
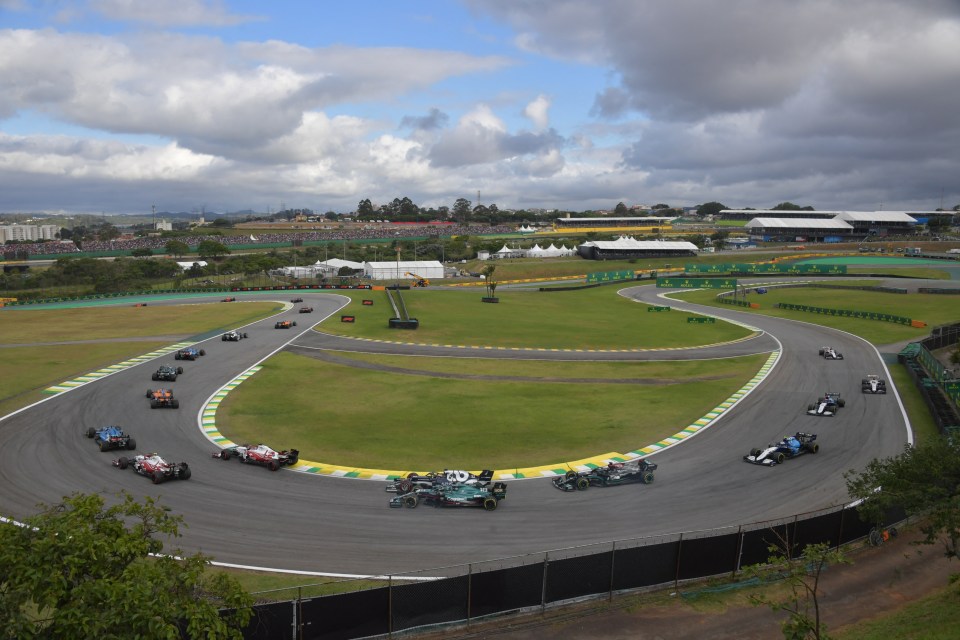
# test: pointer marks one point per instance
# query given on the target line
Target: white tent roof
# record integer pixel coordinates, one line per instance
(337, 263)
(187, 265)
(649, 245)
(506, 249)
(875, 216)
(797, 223)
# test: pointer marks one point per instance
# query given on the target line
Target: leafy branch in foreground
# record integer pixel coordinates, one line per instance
(83, 569)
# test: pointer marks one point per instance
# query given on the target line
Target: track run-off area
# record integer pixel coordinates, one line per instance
(320, 522)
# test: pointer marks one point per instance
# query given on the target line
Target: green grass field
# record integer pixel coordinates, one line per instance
(423, 422)
(930, 308)
(585, 319)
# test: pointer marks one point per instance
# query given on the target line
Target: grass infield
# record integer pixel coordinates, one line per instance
(360, 417)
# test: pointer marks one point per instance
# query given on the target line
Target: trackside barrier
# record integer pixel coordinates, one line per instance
(938, 291)
(658, 309)
(462, 594)
(701, 320)
(155, 292)
(942, 398)
(845, 313)
(752, 268)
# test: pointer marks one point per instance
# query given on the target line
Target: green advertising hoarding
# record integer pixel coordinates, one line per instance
(696, 283)
(610, 276)
(767, 267)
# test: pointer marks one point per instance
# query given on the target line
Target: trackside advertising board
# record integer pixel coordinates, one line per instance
(696, 283)
(767, 267)
(609, 276)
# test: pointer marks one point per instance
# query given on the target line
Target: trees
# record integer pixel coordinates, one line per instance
(82, 569)
(923, 480)
(489, 282)
(710, 209)
(212, 249)
(461, 210)
(177, 248)
(620, 210)
(142, 252)
(719, 239)
(801, 573)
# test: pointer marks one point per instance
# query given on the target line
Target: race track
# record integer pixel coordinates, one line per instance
(287, 520)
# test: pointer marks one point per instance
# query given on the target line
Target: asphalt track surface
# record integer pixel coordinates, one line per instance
(249, 516)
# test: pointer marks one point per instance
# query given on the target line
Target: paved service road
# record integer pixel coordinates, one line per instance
(248, 515)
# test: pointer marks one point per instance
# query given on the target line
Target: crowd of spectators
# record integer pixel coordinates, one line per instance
(155, 243)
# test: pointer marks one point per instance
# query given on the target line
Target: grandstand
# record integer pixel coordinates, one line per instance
(626, 248)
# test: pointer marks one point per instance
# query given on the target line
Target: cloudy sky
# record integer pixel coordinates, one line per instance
(116, 105)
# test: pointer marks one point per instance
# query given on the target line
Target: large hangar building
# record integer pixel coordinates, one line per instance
(626, 248)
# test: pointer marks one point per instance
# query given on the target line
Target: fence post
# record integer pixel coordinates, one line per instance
(543, 588)
(613, 556)
(390, 606)
(297, 626)
(469, 590)
(738, 554)
(676, 573)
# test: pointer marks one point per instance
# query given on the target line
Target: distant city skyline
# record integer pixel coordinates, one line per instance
(229, 105)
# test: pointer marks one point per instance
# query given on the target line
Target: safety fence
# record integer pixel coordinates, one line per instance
(751, 268)
(848, 313)
(930, 374)
(467, 593)
(938, 290)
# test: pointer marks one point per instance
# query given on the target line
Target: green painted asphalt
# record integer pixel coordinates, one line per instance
(875, 260)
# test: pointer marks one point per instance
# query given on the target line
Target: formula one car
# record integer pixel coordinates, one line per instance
(829, 353)
(108, 438)
(873, 384)
(437, 478)
(231, 299)
(296, 300)
(614, 473)
(162, 398)
(827, 405)
(453, 495)
(260, 454)
(790, 447)
(233, 336)
(168, 373)
(155, 467)
(190, 353)
(306, 309)
(285, 324)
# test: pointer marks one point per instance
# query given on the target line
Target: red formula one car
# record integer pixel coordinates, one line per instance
(162, 398)
(260, 454)
(154, 467)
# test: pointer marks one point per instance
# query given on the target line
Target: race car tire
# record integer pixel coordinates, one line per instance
(410, 502)
(570, 475)
(179, 370)
(841, 402)
(223, 338)
(778, 457)
(754, 452)
(149, 392)
(405, 486)
(244, 335)
(91, 432)
(647, 478)
(274, 465)
(294, 323)
(489, 504)
(821, 351)
(813, 447)
(225, 454)
(175, 403)
(131, 444)
(176, 356)
(185, 472)
(157, 477)
(104, 445)
(123, 463)
(582, 485)
(293, 458)
(154, 404)
(202, 352)
(154, 377)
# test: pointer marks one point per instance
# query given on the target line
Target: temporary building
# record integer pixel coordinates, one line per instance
(429, 269)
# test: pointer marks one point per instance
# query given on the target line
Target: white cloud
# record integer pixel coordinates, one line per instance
(538, 112)
(170, 13)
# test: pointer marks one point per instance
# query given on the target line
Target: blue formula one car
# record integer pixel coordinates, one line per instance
(108, 438)
(790, 447)
(190, 353)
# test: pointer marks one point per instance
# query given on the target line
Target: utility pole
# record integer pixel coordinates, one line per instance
(153, 210)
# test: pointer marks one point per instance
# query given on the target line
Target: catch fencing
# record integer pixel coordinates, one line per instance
(465, 594)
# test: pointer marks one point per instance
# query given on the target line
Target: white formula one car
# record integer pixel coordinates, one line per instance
(233, 336)
(873, 384)
(827, 405)
(790, 447)
(829, 353)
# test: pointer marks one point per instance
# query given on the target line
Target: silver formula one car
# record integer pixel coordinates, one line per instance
(827, 405)
(829, 353)
(873, 384)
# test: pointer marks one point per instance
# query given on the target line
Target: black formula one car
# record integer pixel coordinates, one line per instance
(829, 353)
(167, 373)
(306, 309)
(790, 447)
(154, 467)
(233, 336)
(162, 399)
(190, 353)
(285, 324)
(260, 454)
(296, 300)
(436, 478)
(108, 438)
(827, 405)
(873, 384)
(614, 473)
(453, 495)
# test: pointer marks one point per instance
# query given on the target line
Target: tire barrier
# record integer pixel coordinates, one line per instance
(466, 593)
(847, 313)
(938, 291)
